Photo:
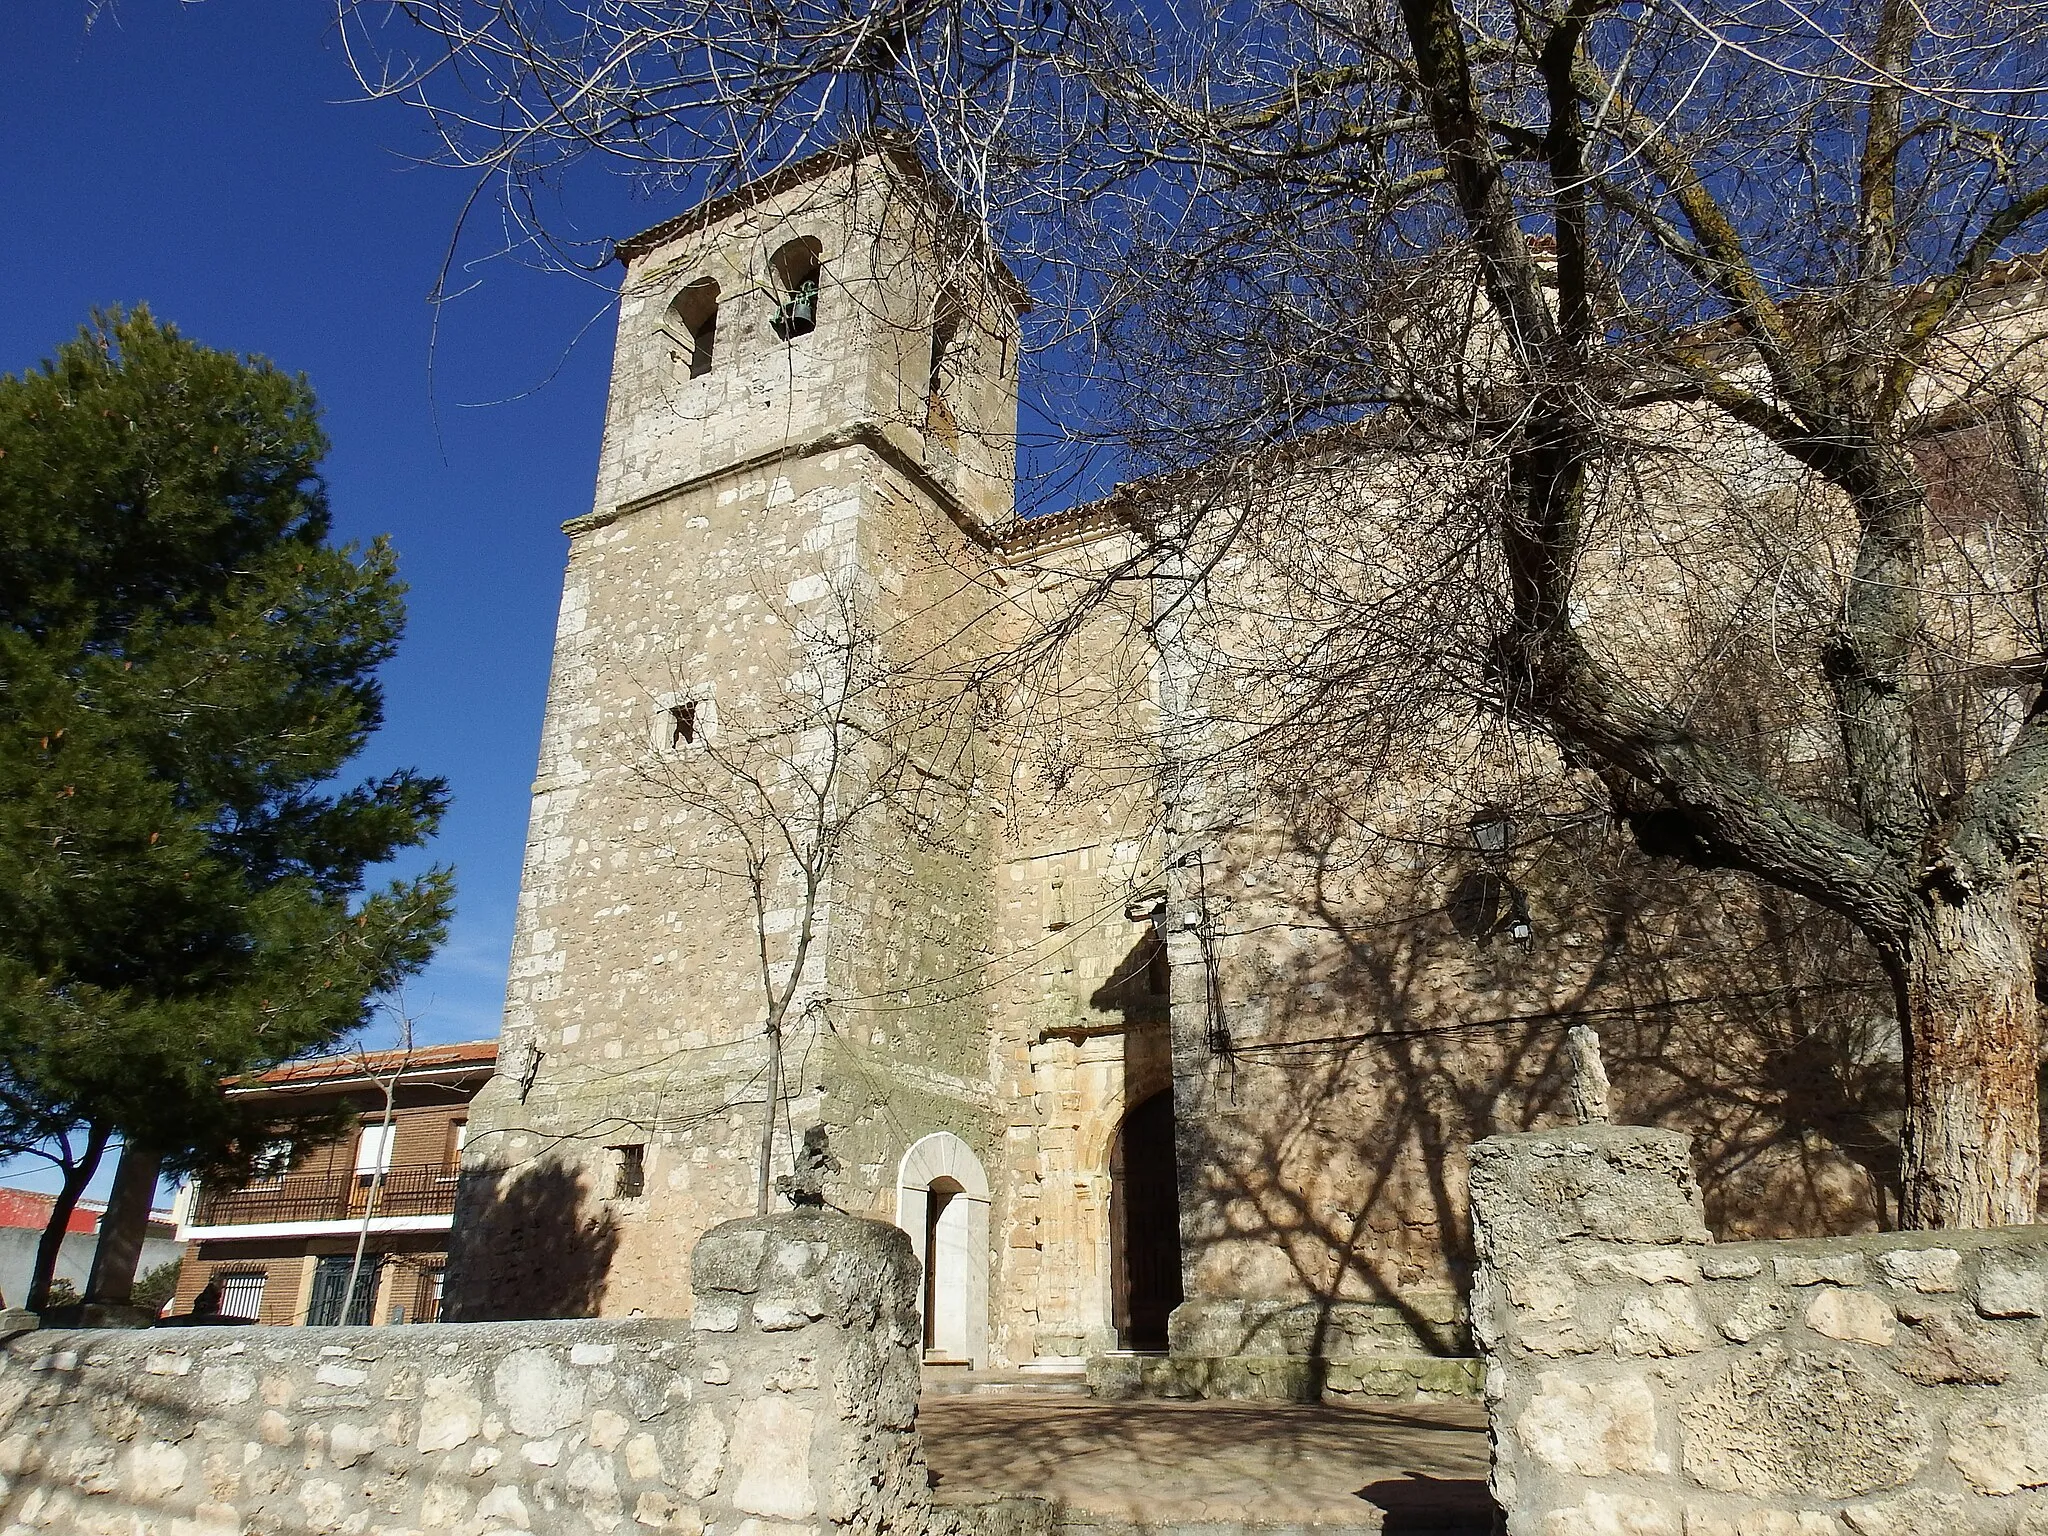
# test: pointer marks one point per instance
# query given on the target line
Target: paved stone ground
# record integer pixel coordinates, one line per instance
(1407, 1467)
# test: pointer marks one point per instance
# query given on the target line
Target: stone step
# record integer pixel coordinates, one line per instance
(1079, 1467)
(970, 1383)
(1286, 1378)
(1442, 1510)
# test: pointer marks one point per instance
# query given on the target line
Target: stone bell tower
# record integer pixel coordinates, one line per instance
(810, 435)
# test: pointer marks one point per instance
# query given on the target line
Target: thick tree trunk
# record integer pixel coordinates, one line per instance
(1973, 1134)
(124, 1227)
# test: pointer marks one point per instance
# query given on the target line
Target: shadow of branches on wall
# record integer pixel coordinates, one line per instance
(528, 1243)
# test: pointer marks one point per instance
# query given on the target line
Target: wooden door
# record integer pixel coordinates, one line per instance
(1144, 1225)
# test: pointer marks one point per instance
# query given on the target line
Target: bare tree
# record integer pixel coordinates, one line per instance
(765, 803)
(384, 1070)
(1569, 286)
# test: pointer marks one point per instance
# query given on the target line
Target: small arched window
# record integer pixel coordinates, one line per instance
(795, 268)
(693, 321)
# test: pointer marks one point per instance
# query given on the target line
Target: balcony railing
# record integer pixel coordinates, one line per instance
(416, 1190)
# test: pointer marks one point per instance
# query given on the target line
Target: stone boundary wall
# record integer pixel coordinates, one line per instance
(1642, 1379)
(784, 1407)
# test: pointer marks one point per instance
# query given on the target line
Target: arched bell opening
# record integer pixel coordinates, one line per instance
(693, 325)
(798, 273)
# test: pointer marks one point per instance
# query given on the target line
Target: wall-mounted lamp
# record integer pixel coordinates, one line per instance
(1493, 832)
(1487, 904)
(1149, 907)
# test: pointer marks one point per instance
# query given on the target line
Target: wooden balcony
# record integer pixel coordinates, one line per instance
(408, 1190)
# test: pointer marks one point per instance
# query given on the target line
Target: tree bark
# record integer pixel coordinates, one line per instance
(764, 1196)
(76, 1177)
(124, 1227)
(1971, 1146)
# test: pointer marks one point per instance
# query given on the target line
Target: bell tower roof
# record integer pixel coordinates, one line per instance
(892, 153)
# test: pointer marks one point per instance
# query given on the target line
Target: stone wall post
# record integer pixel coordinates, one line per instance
(807, 1357)
(1570, 1404)
(1645, 1381)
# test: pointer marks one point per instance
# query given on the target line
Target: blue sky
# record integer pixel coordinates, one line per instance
(211, 160)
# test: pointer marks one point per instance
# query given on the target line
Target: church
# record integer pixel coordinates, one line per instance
(846, 817)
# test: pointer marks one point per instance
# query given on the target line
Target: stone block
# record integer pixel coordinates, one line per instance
(2007, 1287)
(1748, 1314)
(539, 1394)
(1663, 1322)
(2001, 1447)
(1614, 1514)
(1631, 1184)
(1592, 1428)
(1930, 1271)
(1819, 1269)
(451, 1414)
(1398, 1378)
(1719, 1264)
(1940, 1351)
(728, 1257)
(1854, 1317)
(1918, 1513)
(1813, 1423)
(771, 1443)
(1643, 1266)
(1217, 1328)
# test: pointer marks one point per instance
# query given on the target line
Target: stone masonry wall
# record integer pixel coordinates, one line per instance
(1643, 1379)
(784, 1409)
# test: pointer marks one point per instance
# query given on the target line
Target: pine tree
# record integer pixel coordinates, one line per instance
(186, 665)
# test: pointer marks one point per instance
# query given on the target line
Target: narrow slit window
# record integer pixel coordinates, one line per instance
(796, 267)
(629, 1171)
(945, 336)
(693, 324)
(939, 420)
(682, 724)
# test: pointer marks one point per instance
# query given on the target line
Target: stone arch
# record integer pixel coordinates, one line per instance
(692, 323)
(1140, 1076)
(1144, 1224)
(942, 1204)
(797, 270)
(1099, 1129)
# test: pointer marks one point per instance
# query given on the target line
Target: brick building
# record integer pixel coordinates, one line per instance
(281, 1247)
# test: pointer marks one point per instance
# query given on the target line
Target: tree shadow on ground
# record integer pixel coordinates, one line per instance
(528, 1244)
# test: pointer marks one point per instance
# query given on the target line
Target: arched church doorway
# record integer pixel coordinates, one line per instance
(942, 1205)
(1144, 1225)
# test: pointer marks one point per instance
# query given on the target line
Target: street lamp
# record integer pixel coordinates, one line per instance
(1492, 831)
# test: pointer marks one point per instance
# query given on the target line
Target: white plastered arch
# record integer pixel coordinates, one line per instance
(959, 1268)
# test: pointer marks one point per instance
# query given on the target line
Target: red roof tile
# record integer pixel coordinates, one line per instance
(28, 1209)
(479, 1054)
